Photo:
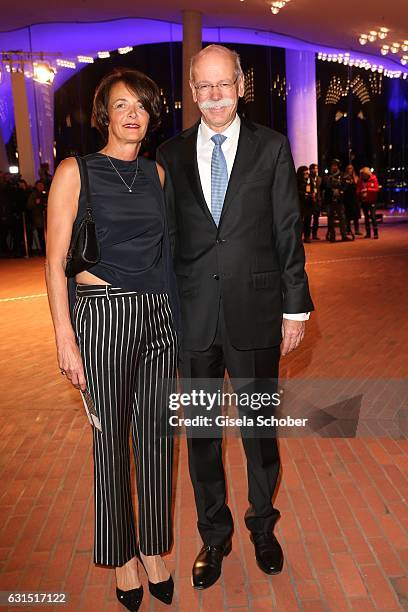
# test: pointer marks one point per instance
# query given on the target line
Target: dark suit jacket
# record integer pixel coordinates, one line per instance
(254, 260)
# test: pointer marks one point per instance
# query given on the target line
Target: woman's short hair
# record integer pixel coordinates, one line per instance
(138, 83)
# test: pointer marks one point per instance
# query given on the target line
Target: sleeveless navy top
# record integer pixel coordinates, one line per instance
(131, 227)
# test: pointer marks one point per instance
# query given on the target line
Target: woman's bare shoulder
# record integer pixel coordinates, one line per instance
(66, 180)
(67, 168)
(68, 165)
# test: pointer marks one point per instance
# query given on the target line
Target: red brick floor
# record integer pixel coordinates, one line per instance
(343, 501)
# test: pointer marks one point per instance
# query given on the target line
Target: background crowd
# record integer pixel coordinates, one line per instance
(23, 213)
(341, 196)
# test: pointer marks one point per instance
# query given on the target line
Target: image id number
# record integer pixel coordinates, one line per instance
(21, 598)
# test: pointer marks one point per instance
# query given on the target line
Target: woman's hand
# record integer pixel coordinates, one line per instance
(70, 363)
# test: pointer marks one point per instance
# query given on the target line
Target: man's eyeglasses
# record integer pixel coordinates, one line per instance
(206, 88)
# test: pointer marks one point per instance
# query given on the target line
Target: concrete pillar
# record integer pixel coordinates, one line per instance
(24, 141)
(301, 109)
(192, 32)
(4, 163)
(44, 95)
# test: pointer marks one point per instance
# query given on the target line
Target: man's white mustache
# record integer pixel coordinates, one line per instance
(209, 104)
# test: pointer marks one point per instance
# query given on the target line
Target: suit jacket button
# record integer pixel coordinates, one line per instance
(216, 277)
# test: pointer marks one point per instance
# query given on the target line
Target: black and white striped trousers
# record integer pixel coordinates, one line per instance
(128, 347)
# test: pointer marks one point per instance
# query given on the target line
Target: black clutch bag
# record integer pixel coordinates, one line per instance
(83, 252)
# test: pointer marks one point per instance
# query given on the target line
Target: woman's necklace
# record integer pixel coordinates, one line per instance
(129, 187)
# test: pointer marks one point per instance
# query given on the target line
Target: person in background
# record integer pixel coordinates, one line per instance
(316, 183)
(351, 202)
(367, 192)
(45, 176)
(37, 206)
(333, 188)
(18, 200)
(306, 200)
(6, 214)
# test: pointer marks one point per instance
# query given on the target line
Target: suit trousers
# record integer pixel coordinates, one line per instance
(307, 225)
(315, 224)
(336, 209)
(370, 218)
(250, 371)
(128, 347)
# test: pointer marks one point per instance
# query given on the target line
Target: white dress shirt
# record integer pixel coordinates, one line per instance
(205, 148)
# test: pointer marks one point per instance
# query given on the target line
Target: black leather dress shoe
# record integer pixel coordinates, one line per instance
(268, 552)
(207, 566)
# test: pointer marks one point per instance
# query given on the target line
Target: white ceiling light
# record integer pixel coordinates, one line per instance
(66, 64)
(85, 59)
(277, 5)
(124, 50)
(43, 73)
(363, 63)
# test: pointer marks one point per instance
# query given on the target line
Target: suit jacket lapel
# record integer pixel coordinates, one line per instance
(242, 163)
(191, 165)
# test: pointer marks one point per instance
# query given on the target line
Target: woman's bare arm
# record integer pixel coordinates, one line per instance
(61, 213)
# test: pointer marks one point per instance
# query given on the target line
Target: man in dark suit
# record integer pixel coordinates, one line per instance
(236, 236)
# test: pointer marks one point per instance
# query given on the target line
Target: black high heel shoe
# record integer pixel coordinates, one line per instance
(163, 591)
(130, 599)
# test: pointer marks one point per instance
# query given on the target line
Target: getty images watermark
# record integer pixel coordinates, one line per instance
(323, 407)
(248, 404)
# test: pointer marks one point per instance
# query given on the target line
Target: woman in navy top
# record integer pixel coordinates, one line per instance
(119, 340)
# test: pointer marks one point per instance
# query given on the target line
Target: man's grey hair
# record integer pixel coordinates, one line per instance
(221, 49)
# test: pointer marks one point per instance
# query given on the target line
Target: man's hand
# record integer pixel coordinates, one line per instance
(292, 332)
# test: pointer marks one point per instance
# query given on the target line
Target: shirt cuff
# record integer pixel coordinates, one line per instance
(301, 316)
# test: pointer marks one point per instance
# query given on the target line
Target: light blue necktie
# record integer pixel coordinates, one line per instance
(219, 177)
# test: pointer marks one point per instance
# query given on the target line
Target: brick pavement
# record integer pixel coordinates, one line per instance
(343, 501)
